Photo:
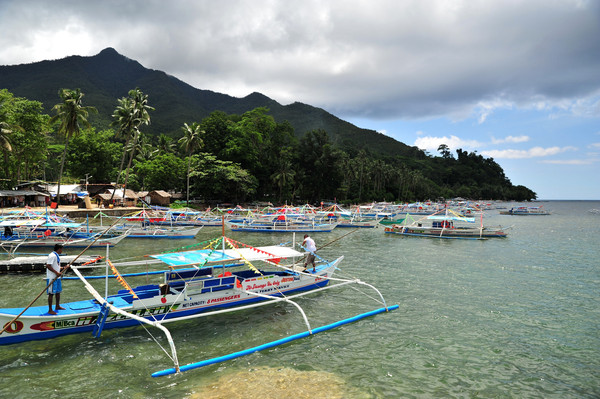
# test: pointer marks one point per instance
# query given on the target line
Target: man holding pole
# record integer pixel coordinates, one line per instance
(311, 247)
(53, 270)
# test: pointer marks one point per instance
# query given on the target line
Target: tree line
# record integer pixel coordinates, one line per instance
(227, 158)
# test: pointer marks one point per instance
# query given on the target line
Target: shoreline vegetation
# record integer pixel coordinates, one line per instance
(228, 157)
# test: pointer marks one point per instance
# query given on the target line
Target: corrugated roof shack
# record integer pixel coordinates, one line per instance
(160, 197)
(15, 198)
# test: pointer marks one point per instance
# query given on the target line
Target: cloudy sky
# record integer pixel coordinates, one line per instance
(515, 80)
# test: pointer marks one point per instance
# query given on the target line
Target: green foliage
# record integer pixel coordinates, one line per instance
(213, 179)
(23, 140)
(245, 157)
(163, 172)
(320, 161)
(94, 153)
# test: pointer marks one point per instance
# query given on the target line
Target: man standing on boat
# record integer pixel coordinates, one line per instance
(53, 269)
(310, 246)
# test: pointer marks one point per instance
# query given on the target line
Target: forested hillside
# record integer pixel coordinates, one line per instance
(228, 149)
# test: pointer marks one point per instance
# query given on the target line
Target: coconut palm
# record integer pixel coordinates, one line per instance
(71, 113)
(131, 113)
(190, 142)
(283, 177)
(165, 144)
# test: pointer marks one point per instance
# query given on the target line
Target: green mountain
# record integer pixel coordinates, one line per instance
(107, 76)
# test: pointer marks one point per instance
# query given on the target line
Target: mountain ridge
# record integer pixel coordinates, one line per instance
(109, 75)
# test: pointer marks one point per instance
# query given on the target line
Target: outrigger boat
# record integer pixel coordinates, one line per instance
(42, 239)
(357, 222)
(344, 218)
(140, 225)
(526, 211)
(220, 277)
(149, 231)
(281, 226)
(443, 226)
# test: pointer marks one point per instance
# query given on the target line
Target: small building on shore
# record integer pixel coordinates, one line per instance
(118, 199)
(159, 197)
(21, 198)
(69, 193)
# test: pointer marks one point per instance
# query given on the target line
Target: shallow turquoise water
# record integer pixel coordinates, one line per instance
(502, 318)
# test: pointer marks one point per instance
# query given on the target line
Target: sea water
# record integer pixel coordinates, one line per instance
(500, 318)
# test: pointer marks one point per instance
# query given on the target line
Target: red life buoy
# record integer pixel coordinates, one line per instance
(47, 233)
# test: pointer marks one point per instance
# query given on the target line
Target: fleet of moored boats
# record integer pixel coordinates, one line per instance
(216, 276)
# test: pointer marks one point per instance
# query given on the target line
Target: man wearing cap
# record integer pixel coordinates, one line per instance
(53, 269)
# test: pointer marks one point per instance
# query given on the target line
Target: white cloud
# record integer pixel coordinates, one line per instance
(594, 145)
(571, 161)
(386, 59)
(510, 139)
(430, 143)
(534, 152)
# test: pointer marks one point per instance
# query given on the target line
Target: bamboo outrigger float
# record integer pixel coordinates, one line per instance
(221, 277)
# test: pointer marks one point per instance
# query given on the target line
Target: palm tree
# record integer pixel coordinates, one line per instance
(71, 113)
(130, 114)
(283, 176)
(144, 149)
(190, 142)
(165, 144)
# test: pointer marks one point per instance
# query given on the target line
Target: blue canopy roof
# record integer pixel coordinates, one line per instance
(192, 257)
(204, 256)
(448, 217)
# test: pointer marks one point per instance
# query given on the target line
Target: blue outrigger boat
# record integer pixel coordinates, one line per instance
(219, 278)
(281, 226)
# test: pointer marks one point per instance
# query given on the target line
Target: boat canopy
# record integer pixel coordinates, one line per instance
(63, 224)
(448, 217)
(208, 256)
(21, 222)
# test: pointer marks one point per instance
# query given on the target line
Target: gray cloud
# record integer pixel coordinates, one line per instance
(379, 59)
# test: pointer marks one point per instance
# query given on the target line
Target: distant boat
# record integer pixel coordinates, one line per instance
(279, 226)
(526, 211)
(41, 234)
(344, 218)
(155, 231)
(358, 221)
(451, 225)
(45, 241)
